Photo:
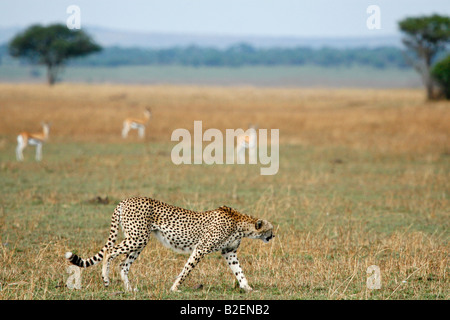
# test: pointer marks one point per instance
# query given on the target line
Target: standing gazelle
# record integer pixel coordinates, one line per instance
(139, 124)
(34, 139)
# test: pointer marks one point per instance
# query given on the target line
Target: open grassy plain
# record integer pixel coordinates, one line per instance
(269, 76)
(364, 179)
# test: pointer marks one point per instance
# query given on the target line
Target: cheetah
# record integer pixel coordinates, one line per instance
(182, 230)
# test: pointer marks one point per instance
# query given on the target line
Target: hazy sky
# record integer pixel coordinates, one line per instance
(226, 17)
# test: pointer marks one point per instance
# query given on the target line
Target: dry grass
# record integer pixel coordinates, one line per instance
(364, 180)
(377, 120)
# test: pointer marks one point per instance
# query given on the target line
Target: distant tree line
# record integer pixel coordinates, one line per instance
(242, 55)
(245, 55)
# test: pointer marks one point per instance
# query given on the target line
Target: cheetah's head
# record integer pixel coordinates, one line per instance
(263, 230)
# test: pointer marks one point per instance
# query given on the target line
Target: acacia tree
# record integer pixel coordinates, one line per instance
(425, 36)
(51, 46)
(441, 72)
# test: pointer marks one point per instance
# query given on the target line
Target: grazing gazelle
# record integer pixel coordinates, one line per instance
(247, 140)
(33, 139)
(139, 124)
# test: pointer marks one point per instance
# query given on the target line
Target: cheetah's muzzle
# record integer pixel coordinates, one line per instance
(267, 239)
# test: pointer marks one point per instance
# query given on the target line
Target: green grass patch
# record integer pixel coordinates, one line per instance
(336, 211)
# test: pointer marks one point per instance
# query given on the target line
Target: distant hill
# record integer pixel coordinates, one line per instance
(109, 37)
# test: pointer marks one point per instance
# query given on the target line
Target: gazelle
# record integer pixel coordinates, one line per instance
(247, 140)
(139, 124)
(33, 139)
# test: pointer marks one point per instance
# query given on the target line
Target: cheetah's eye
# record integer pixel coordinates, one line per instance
(258, 224)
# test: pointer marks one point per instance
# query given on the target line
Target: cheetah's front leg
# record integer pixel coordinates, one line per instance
(233, 262)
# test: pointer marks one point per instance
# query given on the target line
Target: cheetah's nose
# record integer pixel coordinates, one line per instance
(267, 239)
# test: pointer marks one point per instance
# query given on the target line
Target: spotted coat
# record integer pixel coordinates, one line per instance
(182, 230)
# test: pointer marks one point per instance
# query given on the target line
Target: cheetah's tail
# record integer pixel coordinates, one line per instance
(84, 263)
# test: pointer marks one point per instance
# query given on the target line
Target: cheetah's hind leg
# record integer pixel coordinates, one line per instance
(125, 268)
(131, 248)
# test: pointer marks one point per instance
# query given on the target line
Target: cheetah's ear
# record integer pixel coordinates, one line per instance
(258, 224)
